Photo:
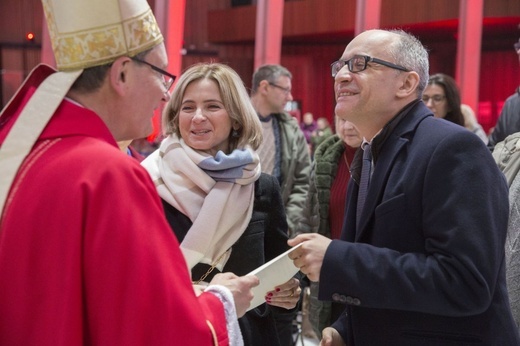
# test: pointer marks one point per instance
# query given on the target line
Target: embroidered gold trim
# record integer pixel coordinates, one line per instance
(101, 45)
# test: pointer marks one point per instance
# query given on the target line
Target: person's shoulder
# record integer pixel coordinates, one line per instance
(330, 144)
(330, 141)
(514, 98)
(291, 128)
(435, 133)
(437, 126)
(100, 157)
(94, 167)
(101, 151)
(267, 180)
(84, 150)
(507, 156)
(265, 184)
(287, 118)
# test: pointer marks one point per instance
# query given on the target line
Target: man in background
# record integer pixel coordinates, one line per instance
(509, 119)
(284, 152)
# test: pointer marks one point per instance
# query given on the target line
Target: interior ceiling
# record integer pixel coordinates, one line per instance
(494, 29)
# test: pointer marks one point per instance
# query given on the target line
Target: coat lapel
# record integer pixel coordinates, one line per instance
(389, 152)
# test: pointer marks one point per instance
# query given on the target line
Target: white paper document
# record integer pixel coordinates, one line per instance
(275, 272)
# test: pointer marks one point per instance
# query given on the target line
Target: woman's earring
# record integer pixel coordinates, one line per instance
(235, 133)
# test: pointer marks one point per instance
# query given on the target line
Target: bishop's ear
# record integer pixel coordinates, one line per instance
(118, 74)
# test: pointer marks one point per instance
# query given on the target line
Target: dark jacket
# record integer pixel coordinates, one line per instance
(508, 122)
(264, 238)
(426, 267)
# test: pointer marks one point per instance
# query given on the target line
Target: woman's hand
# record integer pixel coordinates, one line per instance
(285, 295)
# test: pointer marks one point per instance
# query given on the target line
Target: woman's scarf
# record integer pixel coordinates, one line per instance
(216, 193)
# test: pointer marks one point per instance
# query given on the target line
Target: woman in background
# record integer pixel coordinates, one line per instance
(225, 213)
(442, 97)
(325, 205)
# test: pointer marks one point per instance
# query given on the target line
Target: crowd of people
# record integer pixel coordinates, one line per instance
(407, 229)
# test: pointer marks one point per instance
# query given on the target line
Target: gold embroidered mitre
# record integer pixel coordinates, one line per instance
(88, 33)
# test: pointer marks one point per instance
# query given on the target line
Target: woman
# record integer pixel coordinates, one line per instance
(324, 210)
(225, 213)
(442, 97)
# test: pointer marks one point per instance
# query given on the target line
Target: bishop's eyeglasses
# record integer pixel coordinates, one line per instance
(168, 78)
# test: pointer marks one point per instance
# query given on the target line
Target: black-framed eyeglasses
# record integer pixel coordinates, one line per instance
(434, 98)
(359, 63)
(285, 90)
(517, 46)
(168, 78)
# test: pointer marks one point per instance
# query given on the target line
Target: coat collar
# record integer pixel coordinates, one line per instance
(395, 139)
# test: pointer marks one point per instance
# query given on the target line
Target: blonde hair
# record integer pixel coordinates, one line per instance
(470, 120)
(234, 96)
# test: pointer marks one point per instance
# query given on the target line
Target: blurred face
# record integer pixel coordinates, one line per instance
(279, 93)
(204, 123)
(348, 132)
(435, 99)
(368, 98)
(308, 118)
(322, 124)
(146, 95)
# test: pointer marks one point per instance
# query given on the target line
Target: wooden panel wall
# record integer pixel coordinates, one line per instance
(502, 8)
(18, 17)
(337, 16)
(209, 21)
(310, 62)
(398, 12)
(318, 16)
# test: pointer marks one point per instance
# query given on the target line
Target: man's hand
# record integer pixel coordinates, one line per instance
(309, 256)
(240, 287)
(331, 337)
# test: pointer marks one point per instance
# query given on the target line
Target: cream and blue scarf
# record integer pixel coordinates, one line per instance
(216, 193)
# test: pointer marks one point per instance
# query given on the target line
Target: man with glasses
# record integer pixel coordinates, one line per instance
(420, 260)
(283, 153)
(86, 254)
(509, 120)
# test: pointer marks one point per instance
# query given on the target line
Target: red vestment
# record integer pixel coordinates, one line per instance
(86, 256)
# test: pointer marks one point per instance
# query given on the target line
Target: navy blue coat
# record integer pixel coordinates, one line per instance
(426, 266)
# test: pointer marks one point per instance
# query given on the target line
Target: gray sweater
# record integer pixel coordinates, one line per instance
(513, 249)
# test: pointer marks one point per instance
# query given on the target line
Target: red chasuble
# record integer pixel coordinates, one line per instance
(86, 256)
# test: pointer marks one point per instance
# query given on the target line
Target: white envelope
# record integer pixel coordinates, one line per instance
(275, 272)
